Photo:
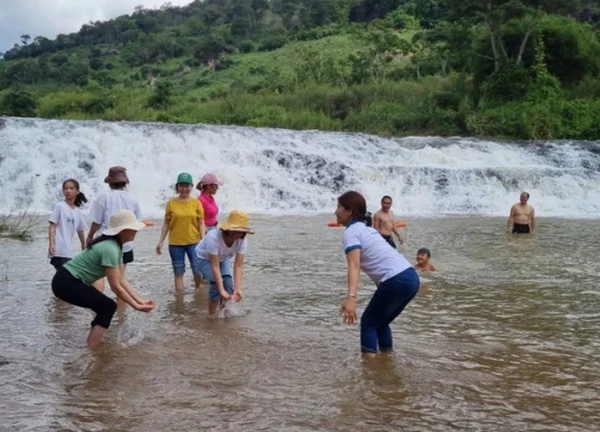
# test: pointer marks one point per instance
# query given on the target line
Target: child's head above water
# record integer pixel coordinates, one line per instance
(423, 255)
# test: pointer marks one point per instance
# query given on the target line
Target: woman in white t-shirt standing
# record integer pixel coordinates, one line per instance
(66, 220)
(396, 279)
(212, 259)
(107, 204)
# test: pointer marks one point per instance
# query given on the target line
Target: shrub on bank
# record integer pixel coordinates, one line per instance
(432, 106)
(577, 119)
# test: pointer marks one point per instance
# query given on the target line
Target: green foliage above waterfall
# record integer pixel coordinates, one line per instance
(504, 68)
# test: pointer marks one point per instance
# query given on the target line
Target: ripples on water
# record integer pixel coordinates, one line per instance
(505, 338)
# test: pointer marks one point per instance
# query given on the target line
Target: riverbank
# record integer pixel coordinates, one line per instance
(313, 85)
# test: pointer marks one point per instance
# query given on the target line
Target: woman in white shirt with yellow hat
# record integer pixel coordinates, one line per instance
(213, 256)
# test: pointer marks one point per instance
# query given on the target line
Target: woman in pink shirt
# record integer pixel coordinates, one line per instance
(209, 186)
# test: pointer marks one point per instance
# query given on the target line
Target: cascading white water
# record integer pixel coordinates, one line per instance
(280, 171)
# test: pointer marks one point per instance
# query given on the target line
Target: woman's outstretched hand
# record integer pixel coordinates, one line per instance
(146, 306)
(348, 311)
(237, 295)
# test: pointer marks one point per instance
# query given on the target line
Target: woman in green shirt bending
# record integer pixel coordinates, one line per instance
(73, 282)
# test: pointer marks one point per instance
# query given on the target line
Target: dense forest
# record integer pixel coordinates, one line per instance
(527, 69)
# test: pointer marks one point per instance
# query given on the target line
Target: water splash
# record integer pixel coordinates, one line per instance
(232, 309)
(294, 172)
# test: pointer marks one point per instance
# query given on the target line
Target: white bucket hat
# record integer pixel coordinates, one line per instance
(123, 220)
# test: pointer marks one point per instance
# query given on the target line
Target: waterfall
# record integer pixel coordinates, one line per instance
(278, 171)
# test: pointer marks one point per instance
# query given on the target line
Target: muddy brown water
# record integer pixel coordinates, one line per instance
(506, 337)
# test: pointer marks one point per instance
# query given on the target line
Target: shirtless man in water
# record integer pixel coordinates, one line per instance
(522, 217)
(383, 221)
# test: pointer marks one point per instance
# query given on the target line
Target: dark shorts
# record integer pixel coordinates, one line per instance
(127, 257)
(521, 229)
(58, 262)
(390, 240)
(68, 288)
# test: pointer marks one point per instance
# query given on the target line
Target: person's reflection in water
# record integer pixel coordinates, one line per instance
(59, 314)
(179, 310)
(90, 396)
(377, 382)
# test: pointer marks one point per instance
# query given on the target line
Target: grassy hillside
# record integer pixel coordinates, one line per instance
(333, 65)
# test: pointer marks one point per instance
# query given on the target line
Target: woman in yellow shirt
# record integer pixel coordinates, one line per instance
(184, 222)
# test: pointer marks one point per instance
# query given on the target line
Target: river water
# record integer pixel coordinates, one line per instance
(506, 337)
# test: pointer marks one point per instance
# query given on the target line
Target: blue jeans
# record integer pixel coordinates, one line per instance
(204, 268)
(178, 254)
(389, 300)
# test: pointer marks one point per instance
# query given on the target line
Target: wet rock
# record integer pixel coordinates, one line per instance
(86, 166)
(441, 183)
(283, 162)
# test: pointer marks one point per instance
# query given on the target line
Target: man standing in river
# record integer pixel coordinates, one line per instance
(383, 221)
(522, 217)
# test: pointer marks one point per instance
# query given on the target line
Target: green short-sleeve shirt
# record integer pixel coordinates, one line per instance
(90, 264)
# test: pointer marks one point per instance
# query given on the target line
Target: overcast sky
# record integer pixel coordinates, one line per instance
(50, 17)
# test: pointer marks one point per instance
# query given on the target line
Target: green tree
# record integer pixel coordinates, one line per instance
(369, 10)
(572, 52)
(496, 15)
(18, 103)
(243, 19)
(24, 71)
(210, 48)
(429, 12)
(161, 96)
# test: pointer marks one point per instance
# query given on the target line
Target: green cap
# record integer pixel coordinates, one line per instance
(184, 178)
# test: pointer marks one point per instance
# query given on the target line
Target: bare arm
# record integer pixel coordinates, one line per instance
(353, 277)
(511, 219)
(51, 238)
(238, 273)
(376, 221)
(532, 220)
(348, 309)
(201, 227)
(163, 234)
(215, 265)
(114, 279)
(81, 236)
(127, 287)
(93, 229)
(395, 229)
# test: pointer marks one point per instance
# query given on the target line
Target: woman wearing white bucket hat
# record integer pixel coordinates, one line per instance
(102, 257)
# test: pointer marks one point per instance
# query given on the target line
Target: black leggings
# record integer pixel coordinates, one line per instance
(58, 262)
(67, 287)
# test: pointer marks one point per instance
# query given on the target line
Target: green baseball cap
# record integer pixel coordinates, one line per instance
(184, 178)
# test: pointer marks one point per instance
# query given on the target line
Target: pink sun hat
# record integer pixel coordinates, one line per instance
(208, 179)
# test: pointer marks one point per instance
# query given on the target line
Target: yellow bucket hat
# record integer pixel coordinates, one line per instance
(236, 221)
